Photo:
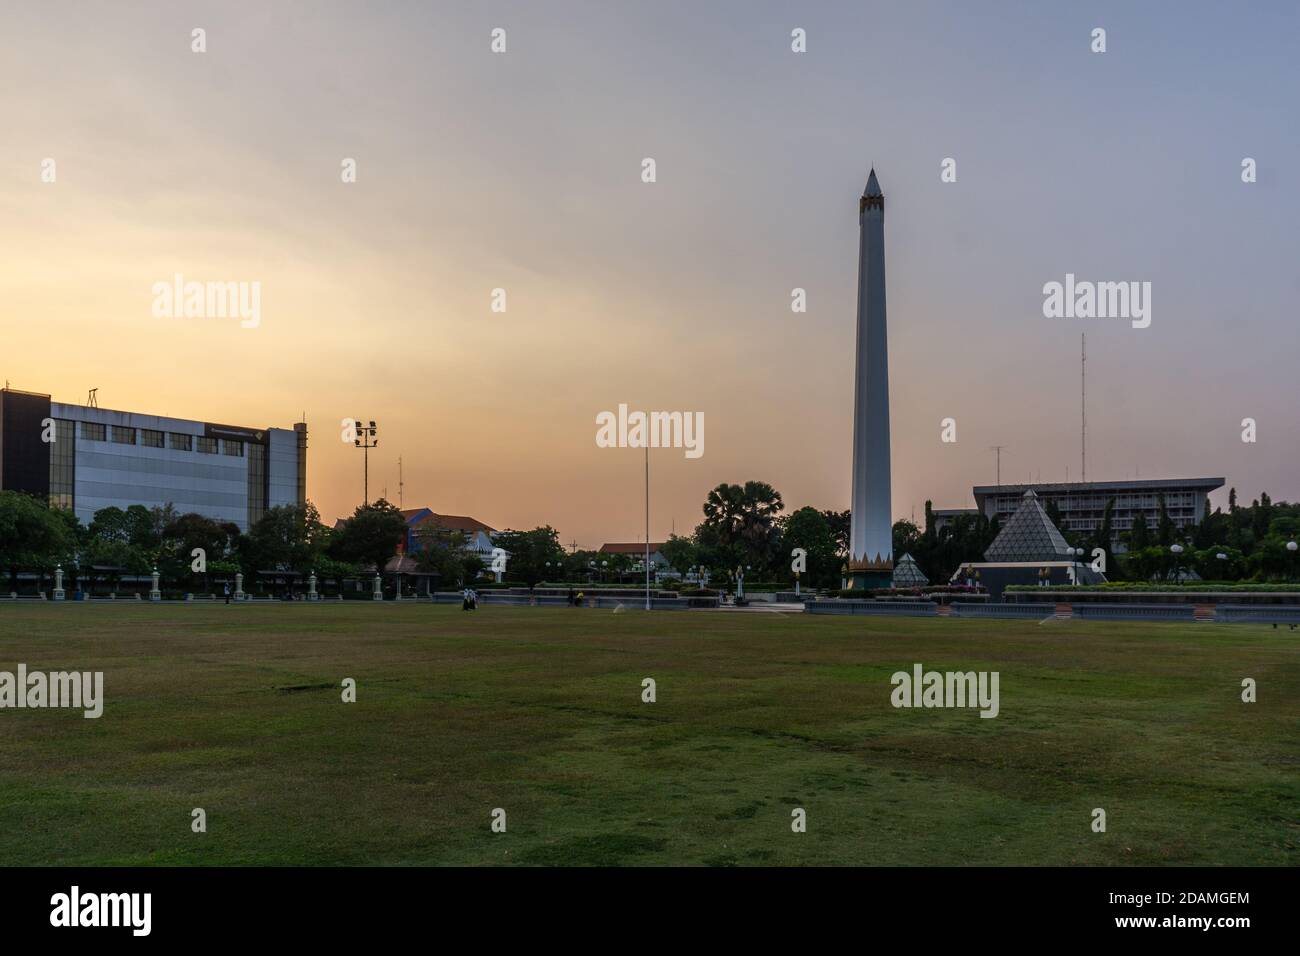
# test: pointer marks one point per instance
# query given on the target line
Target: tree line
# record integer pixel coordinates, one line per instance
(744, 526)
(189, 550)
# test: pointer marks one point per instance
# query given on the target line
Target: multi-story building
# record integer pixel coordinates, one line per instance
(944, 517)
(86, 458)
(1081, 504)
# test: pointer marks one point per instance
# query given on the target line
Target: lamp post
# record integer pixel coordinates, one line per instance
(1291, 548)
(1075, 554)
(366, 440)
(1176, 550)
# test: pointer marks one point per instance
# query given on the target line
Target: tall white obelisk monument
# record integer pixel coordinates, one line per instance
(871, 558)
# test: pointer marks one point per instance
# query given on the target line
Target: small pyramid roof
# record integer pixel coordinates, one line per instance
(1028, 535)
(908, 574)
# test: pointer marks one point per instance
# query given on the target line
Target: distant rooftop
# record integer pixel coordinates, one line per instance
(630, 547)
(418, 517)
(1207, 484)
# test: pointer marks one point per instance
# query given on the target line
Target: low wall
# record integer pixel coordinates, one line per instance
(1136, 612)
(1022, 611)
(894, 608)
(1257, 614)
(1059, 596)
(630, 602)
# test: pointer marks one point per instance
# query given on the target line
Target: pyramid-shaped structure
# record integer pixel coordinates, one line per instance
(1028, 535)
(908, 574)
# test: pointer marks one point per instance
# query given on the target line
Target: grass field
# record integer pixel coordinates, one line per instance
(238, 710)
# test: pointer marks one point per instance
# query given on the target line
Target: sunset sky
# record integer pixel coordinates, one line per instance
(522, 171)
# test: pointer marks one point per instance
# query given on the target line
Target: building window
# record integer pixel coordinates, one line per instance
(233, 448)
(94, 431)
(207, 446)
(256, 482)
(180, 442)
(150, 438)
(63, 461)
(123, 435)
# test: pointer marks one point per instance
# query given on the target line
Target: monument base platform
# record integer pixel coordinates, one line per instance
(868, 575)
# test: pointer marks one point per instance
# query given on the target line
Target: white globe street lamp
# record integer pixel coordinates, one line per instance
(1075, 554)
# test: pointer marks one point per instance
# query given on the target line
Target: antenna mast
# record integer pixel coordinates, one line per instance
(998, 449)
(1083, 405)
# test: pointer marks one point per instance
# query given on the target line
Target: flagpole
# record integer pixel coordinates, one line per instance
(647, 527)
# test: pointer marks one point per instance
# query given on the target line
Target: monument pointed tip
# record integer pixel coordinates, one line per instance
(873, 186)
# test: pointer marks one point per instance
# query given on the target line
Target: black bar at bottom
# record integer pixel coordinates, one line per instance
(335, 905)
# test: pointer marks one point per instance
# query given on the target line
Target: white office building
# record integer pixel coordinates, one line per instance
(87, 458)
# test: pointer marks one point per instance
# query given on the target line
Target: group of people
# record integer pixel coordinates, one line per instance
(576, 600)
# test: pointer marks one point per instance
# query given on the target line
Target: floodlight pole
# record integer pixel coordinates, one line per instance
(647, 527)
(365, 442)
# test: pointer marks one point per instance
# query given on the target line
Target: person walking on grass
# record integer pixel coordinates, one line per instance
(226, 589)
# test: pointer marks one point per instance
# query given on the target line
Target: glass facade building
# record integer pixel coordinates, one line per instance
(87, 459)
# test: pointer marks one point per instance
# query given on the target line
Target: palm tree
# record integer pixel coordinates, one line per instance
(723, 512)
(745, 516)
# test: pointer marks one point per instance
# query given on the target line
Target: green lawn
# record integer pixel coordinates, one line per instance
(238, 710)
